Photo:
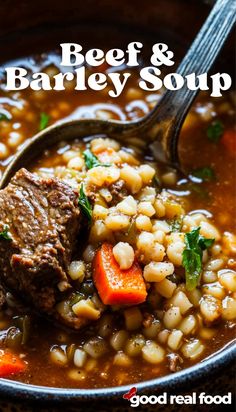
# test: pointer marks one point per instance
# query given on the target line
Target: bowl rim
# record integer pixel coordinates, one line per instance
(174, 382)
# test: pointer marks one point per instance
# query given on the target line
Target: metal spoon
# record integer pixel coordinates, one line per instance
(161, 127)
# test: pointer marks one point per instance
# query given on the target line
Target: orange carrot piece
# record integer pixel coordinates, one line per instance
(10, 364)
(229, 140)
(116, 286)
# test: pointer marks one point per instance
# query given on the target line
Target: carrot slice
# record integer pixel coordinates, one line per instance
(229, 140)
(10, 364)
(116, 286)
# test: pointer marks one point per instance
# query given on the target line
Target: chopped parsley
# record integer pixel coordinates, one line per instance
(4, 235)
(92, 161)
(195, 244)
(206, 174)
(215, 131)
(3, 117)
(44, 120)
(176, 224)
(84, 204)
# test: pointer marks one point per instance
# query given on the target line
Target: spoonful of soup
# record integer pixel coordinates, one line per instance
(43, 219)
(160, 129)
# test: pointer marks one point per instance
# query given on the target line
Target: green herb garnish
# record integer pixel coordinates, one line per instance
(92, 161)
(3, 116)
(204, 173)
(215, 131)
(4, 235)
(176, 224)
(84, 204)
(192, 256)
(44, 120)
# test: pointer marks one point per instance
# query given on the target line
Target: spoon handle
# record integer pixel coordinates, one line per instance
(170, 114)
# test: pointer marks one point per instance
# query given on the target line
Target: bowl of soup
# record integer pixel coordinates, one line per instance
(135, 261)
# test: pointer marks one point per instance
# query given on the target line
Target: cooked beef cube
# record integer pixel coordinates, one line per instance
(118, 192)
(43, 221)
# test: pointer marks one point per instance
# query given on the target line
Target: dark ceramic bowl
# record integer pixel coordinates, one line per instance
(27, 27)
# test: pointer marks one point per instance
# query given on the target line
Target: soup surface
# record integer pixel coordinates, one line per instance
(169, 242)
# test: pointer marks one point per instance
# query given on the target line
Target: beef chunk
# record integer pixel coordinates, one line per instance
(118, 192)
(43, 220)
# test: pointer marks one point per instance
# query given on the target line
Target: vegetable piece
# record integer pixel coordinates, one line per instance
(215, 131)
(85, 308)
(84, 204)
(10, 364)
(4, 235)
(92, 161)
(229, 140)
(44, 120)
(116, 286)
(206, 174)
(192, 256)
